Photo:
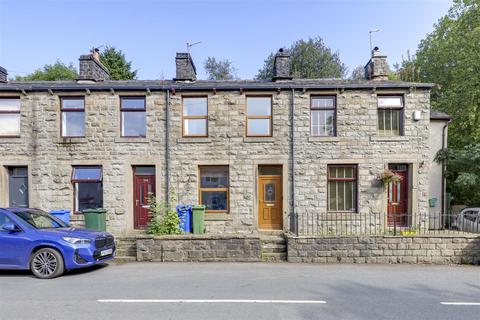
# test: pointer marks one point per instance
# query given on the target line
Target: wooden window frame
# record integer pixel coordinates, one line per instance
(19, 112)
(200, 189)
(334, 109)
(62, 110)
(75, 181)
(354, 179)
(401, 113)
(184, 117)
(122, 110)
(270, 117)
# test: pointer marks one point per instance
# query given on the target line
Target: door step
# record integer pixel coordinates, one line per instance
(274, 248)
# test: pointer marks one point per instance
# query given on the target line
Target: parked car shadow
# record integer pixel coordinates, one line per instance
(71, 273)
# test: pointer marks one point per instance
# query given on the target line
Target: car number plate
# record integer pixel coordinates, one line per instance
(106, 252)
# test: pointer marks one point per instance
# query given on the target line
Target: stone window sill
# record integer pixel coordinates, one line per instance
(65, 140)
(323, 139)
(259, 139)
(194, 140)
(388, 138)
(131, 140)
(10, 140)
(218, 217)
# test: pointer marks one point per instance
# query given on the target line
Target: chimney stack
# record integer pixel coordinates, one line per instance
(281, 66)
(91, 69)
(3, 74)
(186, 70)
(377, 67)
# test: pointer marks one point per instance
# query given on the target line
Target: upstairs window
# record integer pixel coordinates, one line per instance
(88, 187)
(195, 117)
(259, 116)
(342, 188)
(214, 188)
(133, 116)
(73, 116)
(322, 116)
(9, 117)
(390, 116)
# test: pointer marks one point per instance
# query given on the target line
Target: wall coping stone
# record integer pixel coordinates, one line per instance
(184, 237)
(467, 236)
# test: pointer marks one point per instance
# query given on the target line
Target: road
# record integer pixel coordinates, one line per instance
(244, 291)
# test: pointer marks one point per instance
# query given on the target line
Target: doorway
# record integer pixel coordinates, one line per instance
(397, 208)
(270, 198)
(143, 185)
(18, 187)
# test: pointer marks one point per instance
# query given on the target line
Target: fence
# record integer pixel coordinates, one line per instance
(396, 224)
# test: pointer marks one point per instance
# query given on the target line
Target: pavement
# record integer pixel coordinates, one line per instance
(245, 291)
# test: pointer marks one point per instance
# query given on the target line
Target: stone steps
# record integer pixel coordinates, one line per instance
(274, 248)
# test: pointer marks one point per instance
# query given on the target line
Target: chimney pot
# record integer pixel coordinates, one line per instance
(281, 66)
(185, 68)
(3, 74)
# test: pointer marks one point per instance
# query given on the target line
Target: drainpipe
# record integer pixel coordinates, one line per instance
(292, 152)
(167, 145)
(444, 138)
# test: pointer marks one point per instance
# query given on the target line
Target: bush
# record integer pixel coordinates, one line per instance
(164, 217)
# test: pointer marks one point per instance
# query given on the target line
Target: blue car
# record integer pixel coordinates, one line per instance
(33, 239)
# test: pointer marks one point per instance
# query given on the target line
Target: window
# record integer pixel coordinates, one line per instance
(4, 220)
(73, 116)
(390, 116)
(214, 183)
(322, 116)
(88, 188)
(195, 117)
(259, 116)
(10, 117)
(133, 116)
(342, 188)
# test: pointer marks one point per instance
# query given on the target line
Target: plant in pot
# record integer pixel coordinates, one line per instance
(387, 176)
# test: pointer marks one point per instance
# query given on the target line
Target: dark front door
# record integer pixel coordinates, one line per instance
(398, 197)
(18, 187)
(144, 185)
(270, 198)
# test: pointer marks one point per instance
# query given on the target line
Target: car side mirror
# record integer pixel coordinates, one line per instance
(10, 227)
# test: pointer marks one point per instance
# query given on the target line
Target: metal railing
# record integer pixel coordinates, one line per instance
(395, 224)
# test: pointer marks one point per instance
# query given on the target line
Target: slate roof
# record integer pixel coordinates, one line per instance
(208, 85)
(438, 115)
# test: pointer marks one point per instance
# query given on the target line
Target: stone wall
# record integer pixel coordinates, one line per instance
(384, 249)
(199, 248)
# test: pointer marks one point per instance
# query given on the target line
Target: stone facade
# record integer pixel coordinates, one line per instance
(92, 69)
(384, 249)
(185, 68)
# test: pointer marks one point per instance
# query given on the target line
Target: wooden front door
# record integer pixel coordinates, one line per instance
(144, 184)
(398, 198)
(270, 212)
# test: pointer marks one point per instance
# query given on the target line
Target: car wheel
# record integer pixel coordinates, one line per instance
(47, 263)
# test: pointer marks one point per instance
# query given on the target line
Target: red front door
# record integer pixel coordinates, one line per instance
(398, 198)
(144, 184)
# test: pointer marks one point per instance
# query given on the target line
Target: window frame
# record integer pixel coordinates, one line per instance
(78, 181)
(401, 116)
(122, 110)
(200, 189)
(62, 110)
(334, 108)
(270, 117)
(19, 112)
(354, 179)
(205, 117)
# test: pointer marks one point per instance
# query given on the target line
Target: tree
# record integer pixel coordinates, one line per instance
(309, 59)
(119, 68)
(51, 72)
(219, 70)
(358, 73)
(450, 57)
(407, 70)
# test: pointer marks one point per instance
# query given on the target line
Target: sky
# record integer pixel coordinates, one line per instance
(38, 32)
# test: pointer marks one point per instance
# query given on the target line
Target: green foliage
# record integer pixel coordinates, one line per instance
(450, 57)
(407, 70)
(119, 68)
(164, 217)
(219, 69)
(358, 73)
(463, 172)
(51, 72)
(310, 59)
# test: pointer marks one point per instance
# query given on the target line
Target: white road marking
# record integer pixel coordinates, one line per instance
(460, 303)
(210, 301)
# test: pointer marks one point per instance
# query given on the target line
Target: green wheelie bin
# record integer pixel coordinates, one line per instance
(95, 219)
(198, 214)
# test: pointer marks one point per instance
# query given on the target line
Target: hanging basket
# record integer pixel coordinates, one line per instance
(387, 176)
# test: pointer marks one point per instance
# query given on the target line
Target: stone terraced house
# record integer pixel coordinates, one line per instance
(261, 155)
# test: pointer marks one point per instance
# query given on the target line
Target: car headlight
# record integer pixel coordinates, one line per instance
(76, 240)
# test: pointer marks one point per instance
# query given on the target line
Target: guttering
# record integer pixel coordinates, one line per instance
(444, 166)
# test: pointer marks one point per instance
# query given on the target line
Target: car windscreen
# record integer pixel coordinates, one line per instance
(40, 219)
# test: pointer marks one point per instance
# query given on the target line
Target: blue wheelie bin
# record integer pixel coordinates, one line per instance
(62, 214)
(185, 217)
